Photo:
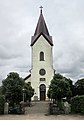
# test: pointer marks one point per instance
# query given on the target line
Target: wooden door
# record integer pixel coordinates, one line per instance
(42, 92)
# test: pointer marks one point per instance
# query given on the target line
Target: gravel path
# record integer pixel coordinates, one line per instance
(41, 117)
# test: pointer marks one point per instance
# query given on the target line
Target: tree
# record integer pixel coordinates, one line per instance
(72, 88)
(12, 88)
(77, 104)
(29, 91)
(0, 90)
(79, 87)
(59, 88)
(2, 102)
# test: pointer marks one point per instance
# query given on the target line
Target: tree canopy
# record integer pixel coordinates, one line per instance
(29, 91)
(59, 88)
(79, 87)
(12, 88)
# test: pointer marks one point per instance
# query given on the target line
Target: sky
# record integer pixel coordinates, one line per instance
(65, 22)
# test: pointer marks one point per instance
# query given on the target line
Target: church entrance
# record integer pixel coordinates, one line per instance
(42, 92)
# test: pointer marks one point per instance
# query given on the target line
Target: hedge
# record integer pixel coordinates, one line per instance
(77, 104)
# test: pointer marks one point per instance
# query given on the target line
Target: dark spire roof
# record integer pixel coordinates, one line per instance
(41, 26)
(41, 29)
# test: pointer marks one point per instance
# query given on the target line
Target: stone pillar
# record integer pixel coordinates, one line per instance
(6, 108)
(66, 107)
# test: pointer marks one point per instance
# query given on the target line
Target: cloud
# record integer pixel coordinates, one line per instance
(65, 21)
(6, 54)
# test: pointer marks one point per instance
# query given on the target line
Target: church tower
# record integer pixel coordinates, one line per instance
(42, 70)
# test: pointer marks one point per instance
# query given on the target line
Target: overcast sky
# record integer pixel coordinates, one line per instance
(65, 21)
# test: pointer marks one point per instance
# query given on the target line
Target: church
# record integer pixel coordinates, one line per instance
(42, 71)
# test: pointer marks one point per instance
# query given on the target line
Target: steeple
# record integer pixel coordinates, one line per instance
(41, 25)
(41, 29)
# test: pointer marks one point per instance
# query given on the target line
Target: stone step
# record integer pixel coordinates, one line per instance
(38, 107)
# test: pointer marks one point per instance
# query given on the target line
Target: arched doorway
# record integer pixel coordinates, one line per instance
(42, 89)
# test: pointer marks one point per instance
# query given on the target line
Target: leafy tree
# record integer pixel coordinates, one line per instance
(0, 90)
(72, 88)
(77, 104)
(2, 102)
(59, 88)
(29, 91)
(12, 89)
(79, 87)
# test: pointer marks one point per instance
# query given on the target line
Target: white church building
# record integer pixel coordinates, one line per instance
(42, 71)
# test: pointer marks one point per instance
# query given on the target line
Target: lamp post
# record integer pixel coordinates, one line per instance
(23, 94)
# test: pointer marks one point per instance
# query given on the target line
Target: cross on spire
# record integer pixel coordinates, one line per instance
(41, 8)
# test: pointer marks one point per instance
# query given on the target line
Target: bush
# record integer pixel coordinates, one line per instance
(77, 104)
(2, 102)
(17, 109)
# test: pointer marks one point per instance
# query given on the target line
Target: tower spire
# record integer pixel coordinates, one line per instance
(41, 25)
(41, 29)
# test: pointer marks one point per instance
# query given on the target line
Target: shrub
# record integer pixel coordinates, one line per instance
(2, 102)
(17, 109)
(77, 104)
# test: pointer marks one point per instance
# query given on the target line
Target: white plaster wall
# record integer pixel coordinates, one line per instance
(41, 45)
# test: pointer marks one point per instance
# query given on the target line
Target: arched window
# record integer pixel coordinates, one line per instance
(41, 56)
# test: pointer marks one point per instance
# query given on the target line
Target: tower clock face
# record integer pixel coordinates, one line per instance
(42, 72)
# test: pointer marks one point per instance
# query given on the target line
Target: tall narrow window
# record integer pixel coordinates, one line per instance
(41, 56)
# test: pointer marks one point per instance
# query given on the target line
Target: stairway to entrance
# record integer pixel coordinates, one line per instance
(40, 107)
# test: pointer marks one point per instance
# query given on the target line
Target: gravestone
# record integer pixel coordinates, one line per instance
(6, 108)
(66, 107)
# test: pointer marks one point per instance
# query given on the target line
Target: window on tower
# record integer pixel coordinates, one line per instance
(41, 56)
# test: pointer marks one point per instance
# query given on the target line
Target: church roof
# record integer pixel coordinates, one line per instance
(27, 77)
(41, 29)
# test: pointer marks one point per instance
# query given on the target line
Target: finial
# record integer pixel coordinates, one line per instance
(41, 9)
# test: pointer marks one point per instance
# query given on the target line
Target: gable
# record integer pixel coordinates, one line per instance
(35, 38)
